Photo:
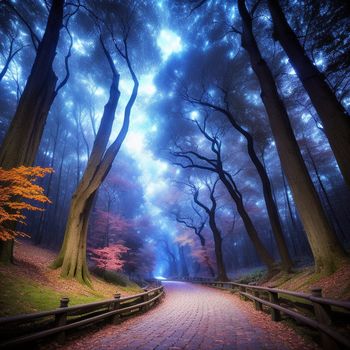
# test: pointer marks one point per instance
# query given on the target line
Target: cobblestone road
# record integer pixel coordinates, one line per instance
(195, 317)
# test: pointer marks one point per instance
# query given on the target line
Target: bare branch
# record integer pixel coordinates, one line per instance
(34, 37)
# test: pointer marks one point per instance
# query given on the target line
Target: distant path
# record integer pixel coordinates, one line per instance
(195, 317)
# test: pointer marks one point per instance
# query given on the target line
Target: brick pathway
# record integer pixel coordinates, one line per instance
(195, 317)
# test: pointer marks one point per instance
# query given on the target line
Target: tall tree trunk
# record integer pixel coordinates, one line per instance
(56, 199)
(45, 214)
(262, 252)
(222, 275)
(335, 119)
(211, 212)
(293, 226)
(72, 256)
(270, 203)
(171, 259)
(184, 268)
(332, 212)
(22, 140)
(326, 249)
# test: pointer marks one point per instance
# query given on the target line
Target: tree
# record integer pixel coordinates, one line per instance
(22, 139)
(72, 256)
(325, 247)
(197, 229)
(17, 192)
(109, 258)
(265, 181)
(211, 212)
(171, 258)
(216, 165)
(335, 120)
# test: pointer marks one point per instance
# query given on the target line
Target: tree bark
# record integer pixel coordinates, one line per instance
(326, 249)
(332, 212)
(262, 252)
(335, 119)
(211, 212)
(184, 269)
(222, 275)
(23, 137)
(271, 207)
(72, 256)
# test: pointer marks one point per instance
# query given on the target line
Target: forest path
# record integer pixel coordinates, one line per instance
(195, 317)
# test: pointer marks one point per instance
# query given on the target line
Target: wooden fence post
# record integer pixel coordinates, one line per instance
(61, 320)
(145, 298)
(257, 304)
(323, 315)
(275, 314)
(115, 306)
(243, 289)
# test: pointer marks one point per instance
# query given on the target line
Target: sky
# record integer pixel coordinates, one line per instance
(154, 171)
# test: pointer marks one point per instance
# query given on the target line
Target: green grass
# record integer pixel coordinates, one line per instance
(119, 279)
(21, 295)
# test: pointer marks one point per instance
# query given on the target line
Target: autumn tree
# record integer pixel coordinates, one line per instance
(23, 137)
(18, 191)
(110, 257)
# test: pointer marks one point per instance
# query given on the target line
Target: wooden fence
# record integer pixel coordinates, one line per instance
(18, 330)
(331, 318)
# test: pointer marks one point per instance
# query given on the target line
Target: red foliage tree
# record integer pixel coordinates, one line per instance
(109, 258)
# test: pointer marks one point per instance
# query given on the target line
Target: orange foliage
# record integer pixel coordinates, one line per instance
(17, 186)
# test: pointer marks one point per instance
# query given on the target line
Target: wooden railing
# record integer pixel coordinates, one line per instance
(326, 316)
(18, 330)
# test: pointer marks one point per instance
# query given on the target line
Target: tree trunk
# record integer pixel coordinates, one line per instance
(72, 256)
(222, 276)
(326, 249)
(45, 213)
(335, 120)
(22, 140)
(332, 212)
(262, 252)
(198, 233)
(270, 204)
(184, 269)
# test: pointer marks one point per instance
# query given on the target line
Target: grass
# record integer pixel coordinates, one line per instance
(30, 285)
(21, 295)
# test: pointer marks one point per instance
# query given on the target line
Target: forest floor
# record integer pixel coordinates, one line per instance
(30, 285)
(334, 286)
